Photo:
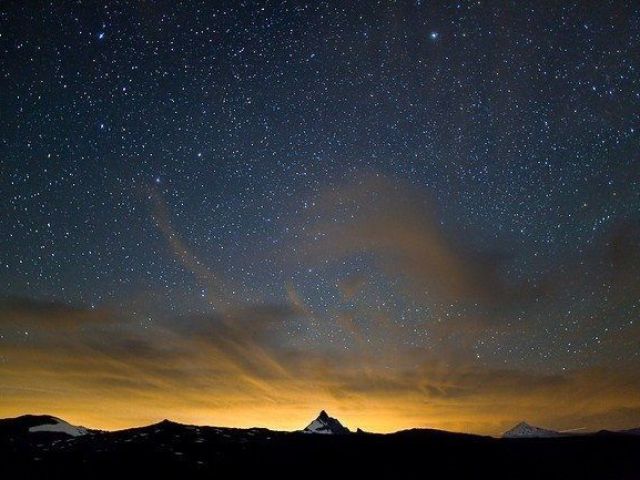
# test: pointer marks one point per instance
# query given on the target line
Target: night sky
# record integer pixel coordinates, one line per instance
(408, 213)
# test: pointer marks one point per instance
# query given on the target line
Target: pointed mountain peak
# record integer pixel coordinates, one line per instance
(166, 423)
(325, 424)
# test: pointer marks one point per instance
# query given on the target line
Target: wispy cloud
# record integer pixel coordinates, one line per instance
(235, 366)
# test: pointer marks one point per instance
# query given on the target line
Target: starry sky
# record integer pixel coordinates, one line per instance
(412, 214)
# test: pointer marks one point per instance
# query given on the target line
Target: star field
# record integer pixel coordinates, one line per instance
(460, 179)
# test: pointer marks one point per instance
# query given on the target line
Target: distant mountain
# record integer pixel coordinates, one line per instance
(524, 430)
(631, 431)
(40, 424)
(326, 425)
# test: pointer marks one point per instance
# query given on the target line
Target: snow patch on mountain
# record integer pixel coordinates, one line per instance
(59, 426)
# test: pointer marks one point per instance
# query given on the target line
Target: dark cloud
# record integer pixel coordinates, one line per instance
(397, 225)
(351, 285)
(28, 312)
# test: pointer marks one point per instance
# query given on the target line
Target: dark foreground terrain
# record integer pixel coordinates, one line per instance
(170, 450)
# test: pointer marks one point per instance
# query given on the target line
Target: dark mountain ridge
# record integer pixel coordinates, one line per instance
(172, 450)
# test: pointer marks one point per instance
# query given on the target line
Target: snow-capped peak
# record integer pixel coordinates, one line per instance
(324, 424)
(524, 430)
(57, 425)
